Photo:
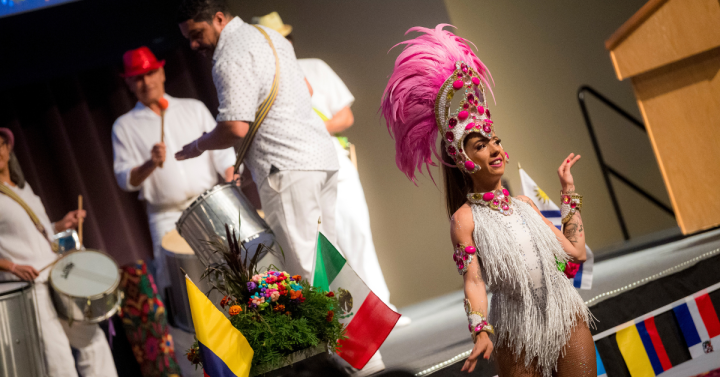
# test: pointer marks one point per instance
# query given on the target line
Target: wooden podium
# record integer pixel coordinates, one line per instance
(670, 50)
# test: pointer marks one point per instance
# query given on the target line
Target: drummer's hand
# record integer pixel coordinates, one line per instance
(25, 272)
(189, 151)
(70, 220)
(157, 154)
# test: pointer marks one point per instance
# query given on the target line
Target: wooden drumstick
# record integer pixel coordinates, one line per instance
(80, 221)
(163, 103)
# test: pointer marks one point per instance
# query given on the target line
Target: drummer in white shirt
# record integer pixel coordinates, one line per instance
(292, 158)
(24, 250)
(167, 186)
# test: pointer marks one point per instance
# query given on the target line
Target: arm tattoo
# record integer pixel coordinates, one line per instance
(571, 230)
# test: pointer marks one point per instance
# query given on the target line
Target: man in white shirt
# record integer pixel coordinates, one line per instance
(167, 186)
(332, 99)
(292, 158)
(24, 251)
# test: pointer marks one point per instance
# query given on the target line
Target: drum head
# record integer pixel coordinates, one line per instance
(85, 273)
(10, 287)
(173, 242)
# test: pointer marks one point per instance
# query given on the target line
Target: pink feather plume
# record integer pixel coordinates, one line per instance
(408, 103)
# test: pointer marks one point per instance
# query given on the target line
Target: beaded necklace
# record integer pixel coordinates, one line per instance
(498, 200)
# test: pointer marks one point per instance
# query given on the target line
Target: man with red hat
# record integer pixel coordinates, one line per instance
(141, 143)
(24, 251)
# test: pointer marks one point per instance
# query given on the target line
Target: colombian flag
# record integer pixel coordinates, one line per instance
(224, 351)
(643, 350)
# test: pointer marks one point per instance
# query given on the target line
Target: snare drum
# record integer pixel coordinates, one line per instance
(179, 255)
(205, 220)
(85, 286)
(20, 345)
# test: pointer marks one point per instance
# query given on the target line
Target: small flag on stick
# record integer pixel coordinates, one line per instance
(368, 320)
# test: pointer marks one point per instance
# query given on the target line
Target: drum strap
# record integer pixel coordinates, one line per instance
(38, 225)
(264, 108)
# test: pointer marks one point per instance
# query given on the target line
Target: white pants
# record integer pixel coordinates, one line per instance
(95, 358)
(160, 224)
(293, 201)
(352, 221)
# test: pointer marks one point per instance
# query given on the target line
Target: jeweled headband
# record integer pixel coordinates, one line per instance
(472, 115)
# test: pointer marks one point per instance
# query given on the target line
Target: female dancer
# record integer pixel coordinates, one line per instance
(501, 242)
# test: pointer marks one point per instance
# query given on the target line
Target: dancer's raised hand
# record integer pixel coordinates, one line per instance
(566, 178)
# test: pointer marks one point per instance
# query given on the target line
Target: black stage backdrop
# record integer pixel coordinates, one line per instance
(61, 91)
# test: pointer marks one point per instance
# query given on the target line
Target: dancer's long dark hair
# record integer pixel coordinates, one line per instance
(457, 184)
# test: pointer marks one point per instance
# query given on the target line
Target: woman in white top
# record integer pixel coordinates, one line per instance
(537, 323)
(24, 251)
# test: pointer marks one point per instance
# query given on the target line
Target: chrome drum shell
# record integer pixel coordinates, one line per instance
(20, 338)
(204, 221)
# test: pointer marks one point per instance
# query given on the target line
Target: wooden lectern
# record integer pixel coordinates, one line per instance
(670, 50)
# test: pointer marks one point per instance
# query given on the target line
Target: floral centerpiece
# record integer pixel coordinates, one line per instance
(278, 314)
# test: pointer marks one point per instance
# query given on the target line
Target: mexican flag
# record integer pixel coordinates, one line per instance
(368, 321)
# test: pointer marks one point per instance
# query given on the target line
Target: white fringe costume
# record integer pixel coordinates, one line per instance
(537, 321)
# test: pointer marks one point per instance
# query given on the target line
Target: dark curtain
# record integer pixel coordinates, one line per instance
(63, 131)
(61, 91)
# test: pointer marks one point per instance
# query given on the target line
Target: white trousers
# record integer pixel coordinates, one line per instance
(95, 359)
(293, 201)
(160, 224)
(352, 221)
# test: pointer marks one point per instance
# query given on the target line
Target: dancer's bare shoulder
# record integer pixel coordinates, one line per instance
(462, 224)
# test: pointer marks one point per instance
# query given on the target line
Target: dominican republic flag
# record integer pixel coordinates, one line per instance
(368, 320)
(699, 324)
(583, 278)
(224, 351)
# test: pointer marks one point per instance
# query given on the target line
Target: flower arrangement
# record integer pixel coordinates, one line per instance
(278, 314)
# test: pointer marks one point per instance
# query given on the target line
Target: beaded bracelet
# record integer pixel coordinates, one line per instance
(477, 322)
(571, 203)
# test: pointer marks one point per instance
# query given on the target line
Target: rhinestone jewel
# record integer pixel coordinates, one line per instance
(452, 122)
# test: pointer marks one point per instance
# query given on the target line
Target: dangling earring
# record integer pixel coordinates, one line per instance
(507, 157)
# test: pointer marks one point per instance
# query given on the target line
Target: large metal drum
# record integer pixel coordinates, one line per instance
(20, 344)
(206, 217)
(180, 257)
(85, 286)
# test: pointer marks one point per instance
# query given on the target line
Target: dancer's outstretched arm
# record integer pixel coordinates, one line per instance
(462, 226)
(572, 236)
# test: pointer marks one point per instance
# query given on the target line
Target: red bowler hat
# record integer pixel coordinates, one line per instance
(140, 61)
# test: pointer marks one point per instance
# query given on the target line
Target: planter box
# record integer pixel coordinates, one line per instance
(294, 361)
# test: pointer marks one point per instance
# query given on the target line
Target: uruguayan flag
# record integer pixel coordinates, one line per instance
(583, 278)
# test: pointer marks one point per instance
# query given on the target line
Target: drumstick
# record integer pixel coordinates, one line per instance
(55, 261)
(163, 103)
(80, 221)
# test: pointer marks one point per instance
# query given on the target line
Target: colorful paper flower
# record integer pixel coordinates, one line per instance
(297, 278)
(330, 294)
(251, 285)
(224, 301)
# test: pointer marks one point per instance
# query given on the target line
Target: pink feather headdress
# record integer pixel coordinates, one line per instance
(429, 71)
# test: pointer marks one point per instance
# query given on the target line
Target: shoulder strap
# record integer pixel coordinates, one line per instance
(264, 108)
(40, 227)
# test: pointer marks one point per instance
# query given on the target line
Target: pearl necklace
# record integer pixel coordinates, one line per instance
(498, 200)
